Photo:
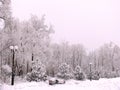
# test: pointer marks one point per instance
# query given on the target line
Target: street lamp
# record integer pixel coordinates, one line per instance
(13, 49)
(90, 64)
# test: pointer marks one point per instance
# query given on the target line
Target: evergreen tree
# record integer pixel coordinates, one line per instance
(64, 71)
(38, 72)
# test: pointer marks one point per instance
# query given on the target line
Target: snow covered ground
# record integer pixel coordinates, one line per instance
(102, 84)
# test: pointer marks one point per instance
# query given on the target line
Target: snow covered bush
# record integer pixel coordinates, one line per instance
(64, 71)
(6, 72)
(94, 75)
(111, 74)
(38, 72)
(78, 74)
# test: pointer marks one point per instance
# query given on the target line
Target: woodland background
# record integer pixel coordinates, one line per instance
(35, 49)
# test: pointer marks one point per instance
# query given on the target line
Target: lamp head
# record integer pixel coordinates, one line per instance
(16, 47)
(11, 47)
(90, 63)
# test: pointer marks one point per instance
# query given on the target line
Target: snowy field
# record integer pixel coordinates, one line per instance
(102, 84)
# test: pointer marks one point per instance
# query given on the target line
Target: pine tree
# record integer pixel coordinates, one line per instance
(64, 71)
(38, 72)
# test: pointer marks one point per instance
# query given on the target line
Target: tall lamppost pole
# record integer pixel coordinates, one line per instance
(90, 71)
(13, 49)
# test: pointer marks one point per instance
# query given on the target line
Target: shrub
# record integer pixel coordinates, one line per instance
(6, 72)
(111, 74)
(78, 74)
(94, 75)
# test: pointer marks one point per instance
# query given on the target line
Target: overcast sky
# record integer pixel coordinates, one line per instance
(90, 22)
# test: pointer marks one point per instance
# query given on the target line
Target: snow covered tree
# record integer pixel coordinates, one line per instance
(108, 59)
(5, 29)
(78, 55)
(38, 72)
(5, 13)
(35, 40)
(79, 74)
(64, 71)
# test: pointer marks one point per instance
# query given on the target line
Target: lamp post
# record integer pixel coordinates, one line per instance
(90, 64)
(13, 49)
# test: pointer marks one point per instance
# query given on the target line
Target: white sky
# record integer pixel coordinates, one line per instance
(90, 22)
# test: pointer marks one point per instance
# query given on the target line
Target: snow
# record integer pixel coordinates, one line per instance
(102, 84)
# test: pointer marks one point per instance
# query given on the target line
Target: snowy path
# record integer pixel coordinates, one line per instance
(103, 84)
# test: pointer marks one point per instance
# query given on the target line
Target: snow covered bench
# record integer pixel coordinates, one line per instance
(53, 81)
